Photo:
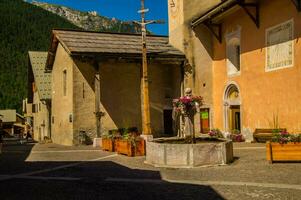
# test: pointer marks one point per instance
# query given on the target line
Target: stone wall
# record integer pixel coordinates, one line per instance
(41, 123)
(197, 45)
(120, 94)
(62, 105)
(84, 100)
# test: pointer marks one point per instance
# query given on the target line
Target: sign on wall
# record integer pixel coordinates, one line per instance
(279, 41)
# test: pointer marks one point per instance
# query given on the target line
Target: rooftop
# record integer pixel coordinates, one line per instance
(42, 80)
(110, 44)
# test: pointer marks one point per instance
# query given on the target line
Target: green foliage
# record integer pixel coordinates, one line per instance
(24, 27)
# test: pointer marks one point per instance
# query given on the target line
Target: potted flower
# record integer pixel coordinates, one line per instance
(236, 136)
(131, 144)
(215, 133)
(185, 107)
(284, 147)
(109, 139)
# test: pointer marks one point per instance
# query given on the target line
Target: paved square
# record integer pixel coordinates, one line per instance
(48, 171)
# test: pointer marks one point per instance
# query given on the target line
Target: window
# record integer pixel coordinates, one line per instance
(279, 46)
(233, 52)
(34, 108)
(65, 82)
(83, 90)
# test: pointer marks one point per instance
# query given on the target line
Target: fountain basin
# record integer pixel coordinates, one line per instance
(181, 155)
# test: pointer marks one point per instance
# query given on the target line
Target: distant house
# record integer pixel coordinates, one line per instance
(13, 123)
(96, 83)
(37, 109)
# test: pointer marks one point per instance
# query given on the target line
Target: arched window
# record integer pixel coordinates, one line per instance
(232, 95)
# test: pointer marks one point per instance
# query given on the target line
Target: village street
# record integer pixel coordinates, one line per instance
(49, 171)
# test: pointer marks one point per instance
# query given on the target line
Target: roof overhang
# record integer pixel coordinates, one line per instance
(51, 52)
(212, 17)
(213, 12)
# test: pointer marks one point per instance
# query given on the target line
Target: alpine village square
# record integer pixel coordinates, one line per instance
(150, 99)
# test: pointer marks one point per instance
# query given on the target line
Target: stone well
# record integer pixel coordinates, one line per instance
(189, 155)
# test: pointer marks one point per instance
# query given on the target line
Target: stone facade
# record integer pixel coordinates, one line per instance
(41, 118)
(265, 99)
(119, 95)
(62, 105)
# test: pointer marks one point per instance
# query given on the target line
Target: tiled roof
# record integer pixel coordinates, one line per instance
(94, 42)
(42, 79)
(111, 45)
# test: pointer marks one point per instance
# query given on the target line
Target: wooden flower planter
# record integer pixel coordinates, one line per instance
(108, 144)
(283, 152)
(125, 147)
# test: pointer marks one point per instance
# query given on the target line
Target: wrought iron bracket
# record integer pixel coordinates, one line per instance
(252, 10)
(297, 3)
(215, 29)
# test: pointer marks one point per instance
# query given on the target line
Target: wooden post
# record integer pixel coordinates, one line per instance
(97, 104)
(146, 124)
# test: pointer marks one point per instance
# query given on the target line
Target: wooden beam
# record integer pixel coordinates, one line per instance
(215, 29)
(248, 7)
(297, 3)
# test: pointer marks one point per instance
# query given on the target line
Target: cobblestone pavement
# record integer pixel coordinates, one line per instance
(49, 171)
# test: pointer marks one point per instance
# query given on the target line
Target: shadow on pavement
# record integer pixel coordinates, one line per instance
(91, 180)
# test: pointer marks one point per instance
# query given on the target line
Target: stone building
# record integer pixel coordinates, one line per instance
(38, 104)
(96, 83)
(243, 59)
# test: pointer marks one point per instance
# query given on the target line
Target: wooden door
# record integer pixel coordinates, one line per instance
(205, 120)
(235, 118)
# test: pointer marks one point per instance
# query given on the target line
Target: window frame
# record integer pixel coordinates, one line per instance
(65, 82)
(229, 37)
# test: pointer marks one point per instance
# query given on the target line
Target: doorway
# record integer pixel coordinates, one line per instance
(205, 120)
(232, 108)
(168, 122)
(234, 118)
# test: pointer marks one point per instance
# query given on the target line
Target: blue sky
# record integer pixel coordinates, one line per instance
(122, 9)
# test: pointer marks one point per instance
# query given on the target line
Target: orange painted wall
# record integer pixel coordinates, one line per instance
(262, 93)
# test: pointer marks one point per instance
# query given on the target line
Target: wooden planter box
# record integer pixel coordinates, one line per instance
(125, 147)
(265, 134)
(283, 152)
(108, 144)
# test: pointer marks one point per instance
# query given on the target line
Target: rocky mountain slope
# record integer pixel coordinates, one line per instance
(89, 20)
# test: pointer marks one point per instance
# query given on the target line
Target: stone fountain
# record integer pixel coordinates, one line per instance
(186, 151)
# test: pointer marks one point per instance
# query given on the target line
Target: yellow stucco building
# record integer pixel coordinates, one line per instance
(243, 59)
